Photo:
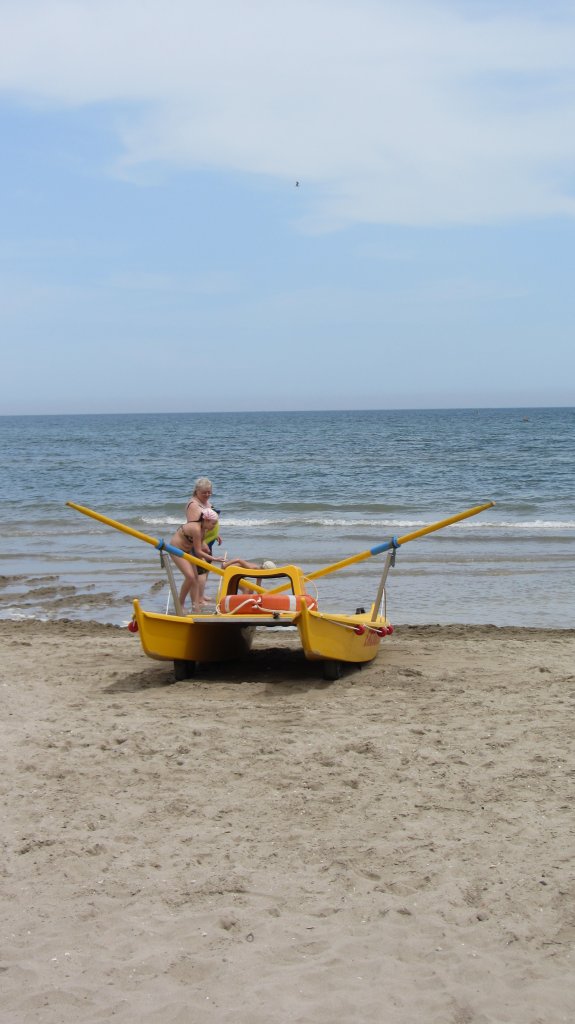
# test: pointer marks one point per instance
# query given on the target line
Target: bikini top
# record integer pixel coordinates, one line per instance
(208, 513)
(183, 532)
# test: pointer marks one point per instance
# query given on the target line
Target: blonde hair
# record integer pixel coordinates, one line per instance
(202, 484)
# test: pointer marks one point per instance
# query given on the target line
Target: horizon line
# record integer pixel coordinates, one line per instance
(279, 412)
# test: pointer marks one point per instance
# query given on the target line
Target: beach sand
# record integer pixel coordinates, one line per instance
(260, 846)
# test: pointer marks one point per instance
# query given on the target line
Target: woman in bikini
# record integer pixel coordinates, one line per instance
(200, 501)
(200, 504)
(190, 538)
(201, 519)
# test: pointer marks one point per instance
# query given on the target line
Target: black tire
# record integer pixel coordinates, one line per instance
(332, 670)
(184, 670)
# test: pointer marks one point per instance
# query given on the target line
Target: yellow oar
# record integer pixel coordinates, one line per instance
(162, 545)
(395, 542)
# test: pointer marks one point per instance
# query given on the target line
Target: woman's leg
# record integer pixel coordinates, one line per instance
(190, 585)
(202, 580)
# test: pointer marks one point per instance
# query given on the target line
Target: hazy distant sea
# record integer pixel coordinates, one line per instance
(309, 488)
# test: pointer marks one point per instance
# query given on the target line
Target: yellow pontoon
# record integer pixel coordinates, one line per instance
(266, 598)
(228, 632)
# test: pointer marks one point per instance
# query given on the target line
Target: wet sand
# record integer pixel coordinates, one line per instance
(258, 846)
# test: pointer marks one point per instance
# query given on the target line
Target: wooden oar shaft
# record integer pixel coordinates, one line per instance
(395, 542)
(435, 526)
(161, 545)
(145, 537)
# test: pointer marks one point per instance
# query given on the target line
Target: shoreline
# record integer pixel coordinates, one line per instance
(258, 845)
(92, 627)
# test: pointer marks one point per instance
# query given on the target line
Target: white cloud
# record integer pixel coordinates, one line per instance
(422, 113)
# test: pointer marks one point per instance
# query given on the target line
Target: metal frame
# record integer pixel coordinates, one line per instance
(166, 564)
(389, 562)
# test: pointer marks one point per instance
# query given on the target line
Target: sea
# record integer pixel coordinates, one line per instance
(304, 488)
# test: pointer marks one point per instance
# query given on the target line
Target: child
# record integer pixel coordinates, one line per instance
(211, 535)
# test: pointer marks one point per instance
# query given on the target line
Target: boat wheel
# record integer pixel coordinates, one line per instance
(332, 670)
(184, 670)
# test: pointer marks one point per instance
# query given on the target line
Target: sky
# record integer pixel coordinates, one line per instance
(248, 204)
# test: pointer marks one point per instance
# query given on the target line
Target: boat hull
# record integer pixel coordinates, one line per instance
(350, 639)
(177, 638)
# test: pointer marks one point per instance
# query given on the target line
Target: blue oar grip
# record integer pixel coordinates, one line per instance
(393, 543)
(162, 545)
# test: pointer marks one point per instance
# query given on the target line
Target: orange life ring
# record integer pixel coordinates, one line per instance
(265, 604)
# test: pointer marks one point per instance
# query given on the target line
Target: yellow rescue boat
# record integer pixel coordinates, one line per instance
(248, 599)
(227, 633)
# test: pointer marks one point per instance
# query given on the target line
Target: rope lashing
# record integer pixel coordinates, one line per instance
(394, 545)
(253, 602)
(362, 627)
(266, 604)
